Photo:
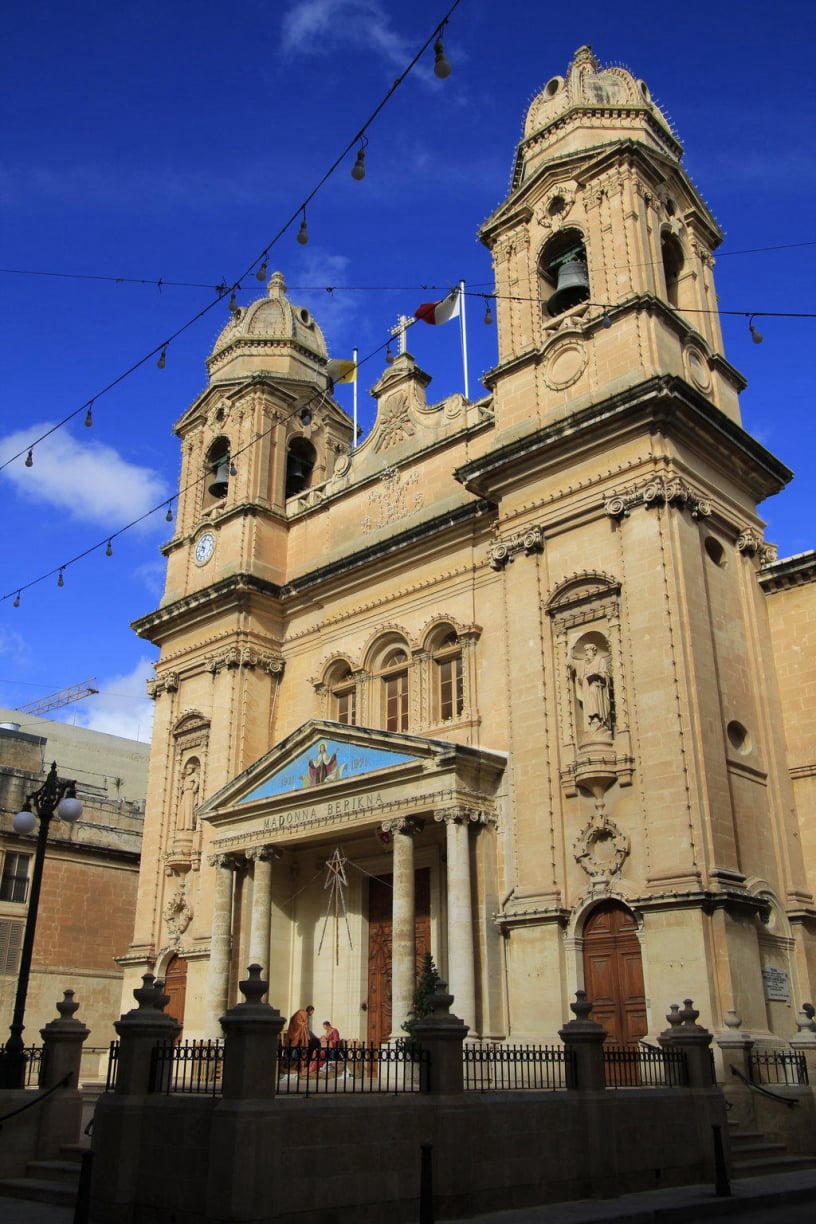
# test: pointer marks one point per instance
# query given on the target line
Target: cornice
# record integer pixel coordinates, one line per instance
(795, 571)
(667, 403)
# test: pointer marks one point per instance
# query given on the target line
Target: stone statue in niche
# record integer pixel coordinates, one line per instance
(188, 798)
(593, 688)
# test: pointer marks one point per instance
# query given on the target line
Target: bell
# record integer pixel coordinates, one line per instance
(220, 482)
(572, 288)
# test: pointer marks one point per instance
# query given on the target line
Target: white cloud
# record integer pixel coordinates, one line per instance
(322, 27)
(89, 481)
(121, 707)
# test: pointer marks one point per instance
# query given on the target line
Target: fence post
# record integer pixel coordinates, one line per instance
(251, 1034)
(736, 1047)
(684, 1033)
(805, 1040)
(583, 1039)
(140, 1030)
(443, 1036)
(62, 1045)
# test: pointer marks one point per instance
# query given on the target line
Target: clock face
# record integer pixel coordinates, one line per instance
(204, 548)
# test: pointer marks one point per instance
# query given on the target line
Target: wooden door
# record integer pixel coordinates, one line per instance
(175, 985)
(613, 973)
(380, 926)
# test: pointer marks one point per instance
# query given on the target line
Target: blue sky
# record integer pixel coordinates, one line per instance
(148, 141)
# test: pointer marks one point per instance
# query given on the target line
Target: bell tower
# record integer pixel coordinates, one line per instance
(602, 254)
(618, 445)
(254, 445)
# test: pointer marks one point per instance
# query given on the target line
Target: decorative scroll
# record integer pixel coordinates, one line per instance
(601, 848)
(500, 552)
(660, 491)
(751, 543)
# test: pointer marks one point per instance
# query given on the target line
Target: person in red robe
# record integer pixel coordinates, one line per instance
(329, 1047)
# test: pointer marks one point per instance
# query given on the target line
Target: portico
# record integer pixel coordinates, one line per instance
(399, 808)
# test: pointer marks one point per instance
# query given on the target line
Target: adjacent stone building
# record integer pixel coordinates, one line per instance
(499, 682)
(90, 873)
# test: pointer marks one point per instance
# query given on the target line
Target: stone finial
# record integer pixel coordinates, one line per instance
(732, 1021)
(254, 987)
(67, 1006)
(440, 1001)
(581, 1009)
(689, 1016)
(804, 1020)
(674, 1018)
(150, 995)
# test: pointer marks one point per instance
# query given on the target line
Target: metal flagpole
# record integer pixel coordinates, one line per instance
(354, 353)
(464, 337)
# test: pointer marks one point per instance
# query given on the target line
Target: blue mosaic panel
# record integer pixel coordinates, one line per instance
(327, 760)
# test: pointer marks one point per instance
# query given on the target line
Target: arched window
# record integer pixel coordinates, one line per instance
(673, 262)
(394, 679)
(218, 465)
(448, 677)
(342, 690)
(563, 273)
(300, 460)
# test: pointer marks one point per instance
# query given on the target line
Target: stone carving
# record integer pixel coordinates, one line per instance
(601, 848)
(660, 491)
(394, 423)
(593, 688)
(245, 656)
(177, 914)
(167, 682)
(188, 796)
(752, 543)
(503, 550)
(398, 498)
(408, 825)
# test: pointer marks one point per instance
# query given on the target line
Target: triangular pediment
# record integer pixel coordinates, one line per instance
(325, 758)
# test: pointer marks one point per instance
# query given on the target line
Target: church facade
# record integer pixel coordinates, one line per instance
(499, 682)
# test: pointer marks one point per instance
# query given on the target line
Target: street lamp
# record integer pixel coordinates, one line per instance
(55, 795)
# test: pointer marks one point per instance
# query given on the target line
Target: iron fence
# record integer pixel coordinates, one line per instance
(778, 1067)
(34, 1063)
(113, 1066)
(644, 1066)
(193, 1067)
(496, 1067)
(352, 1069)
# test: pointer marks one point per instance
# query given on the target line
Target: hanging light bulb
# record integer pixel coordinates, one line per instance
(389, 356)
(169, 515)
(109, 550)
(29, 459)
(756, 336)
(162, 362)
(89, 417)
(305, 417)
(16, 603)
(488, 318)
(358, 170)
(442, 68)
(605, 319)
(234, 308)
(60, 580)
(233, 471)
(303, 232)
(261, 273)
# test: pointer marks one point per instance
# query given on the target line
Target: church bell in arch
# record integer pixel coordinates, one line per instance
(220, 482)
(572, 287)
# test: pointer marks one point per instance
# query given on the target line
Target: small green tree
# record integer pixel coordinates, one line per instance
(421, 1002)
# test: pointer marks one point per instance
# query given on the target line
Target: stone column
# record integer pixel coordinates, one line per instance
(263, 858)
(62, 1045)
(403, 921)
(461, 958)
(220, 943)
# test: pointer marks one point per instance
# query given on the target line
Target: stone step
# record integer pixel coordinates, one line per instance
(54, 1170)
(39, 1190)
(763, 1165)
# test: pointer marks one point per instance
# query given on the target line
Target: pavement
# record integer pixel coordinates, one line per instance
(750, 1197)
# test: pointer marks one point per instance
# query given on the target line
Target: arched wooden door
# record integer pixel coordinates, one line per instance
(613, 973)
(380, 905)
(175, 985)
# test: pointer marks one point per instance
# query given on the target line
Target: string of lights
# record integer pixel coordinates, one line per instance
(258, 266)
(106, 541)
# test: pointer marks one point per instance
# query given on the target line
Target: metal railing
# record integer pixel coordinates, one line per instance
(496, 1067)
(778, 1067)
(352, 1069)
(642, 1066)
(193, 1067)
(34, 1061)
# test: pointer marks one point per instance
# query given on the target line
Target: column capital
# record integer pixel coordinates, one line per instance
(462, 813)
(408, 825)
(223, 860)
(263, 854)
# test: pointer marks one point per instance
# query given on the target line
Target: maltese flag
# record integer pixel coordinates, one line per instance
(439, 312)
